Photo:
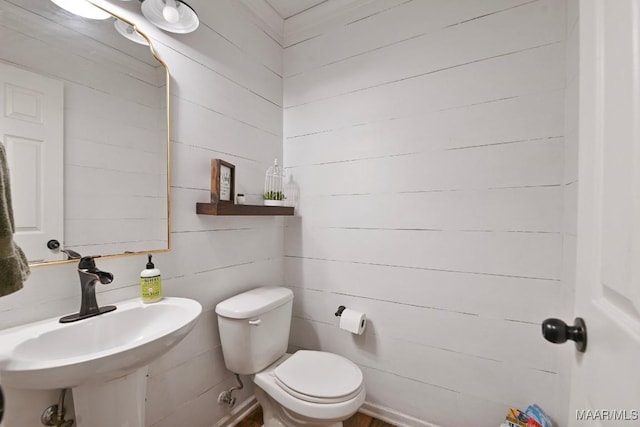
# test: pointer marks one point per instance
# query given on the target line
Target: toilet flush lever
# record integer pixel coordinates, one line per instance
(255, 322)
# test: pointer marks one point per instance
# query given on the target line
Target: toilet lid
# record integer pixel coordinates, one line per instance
(319, 375)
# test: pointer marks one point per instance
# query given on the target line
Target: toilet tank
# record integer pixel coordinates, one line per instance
(254, 328)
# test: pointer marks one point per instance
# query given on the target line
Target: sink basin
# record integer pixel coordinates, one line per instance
(52, 355)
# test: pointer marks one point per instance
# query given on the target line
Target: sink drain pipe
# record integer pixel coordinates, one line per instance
(226, 398)
(54, 414)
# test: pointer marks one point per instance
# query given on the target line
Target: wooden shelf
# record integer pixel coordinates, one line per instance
(222, 207)
(232, 209)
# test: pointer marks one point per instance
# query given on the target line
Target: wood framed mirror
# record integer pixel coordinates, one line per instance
(86, 129)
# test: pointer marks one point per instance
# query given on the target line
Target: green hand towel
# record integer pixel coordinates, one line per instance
(14, 268)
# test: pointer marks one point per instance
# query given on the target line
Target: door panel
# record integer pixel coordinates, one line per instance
(605, 379)
(26, 170)
(23, 104)
(31, 128)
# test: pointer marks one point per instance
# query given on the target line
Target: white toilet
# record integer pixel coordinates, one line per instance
(307, 388)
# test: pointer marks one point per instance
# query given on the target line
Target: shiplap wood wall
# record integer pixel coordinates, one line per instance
(227, 103)
(428, 142)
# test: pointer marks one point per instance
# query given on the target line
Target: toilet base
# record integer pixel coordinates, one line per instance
(275, 415)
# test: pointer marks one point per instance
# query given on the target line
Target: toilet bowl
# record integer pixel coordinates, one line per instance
(307, 388)
(312, 388)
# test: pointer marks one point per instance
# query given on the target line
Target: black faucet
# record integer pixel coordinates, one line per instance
(89, 276)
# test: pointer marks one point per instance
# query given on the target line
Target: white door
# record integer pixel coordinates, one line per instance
(31, 129)
(606, 378)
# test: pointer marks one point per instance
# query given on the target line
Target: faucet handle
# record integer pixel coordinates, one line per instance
(87, 263)
(71, 254)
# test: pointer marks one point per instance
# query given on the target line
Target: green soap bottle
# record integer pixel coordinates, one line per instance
(151, 283)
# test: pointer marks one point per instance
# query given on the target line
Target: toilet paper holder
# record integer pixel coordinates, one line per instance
(351, 320)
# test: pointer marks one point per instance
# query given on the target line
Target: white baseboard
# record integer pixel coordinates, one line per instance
(392, 417)
(380, 412)
(239, 413)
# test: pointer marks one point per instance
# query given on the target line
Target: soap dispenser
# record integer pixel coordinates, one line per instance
(151, 283)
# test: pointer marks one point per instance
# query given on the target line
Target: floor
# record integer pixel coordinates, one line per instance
(358, 420)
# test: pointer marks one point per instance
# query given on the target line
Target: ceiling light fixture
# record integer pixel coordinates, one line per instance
(129, 32)
(170, 11)
(171, 15)
(82, 8)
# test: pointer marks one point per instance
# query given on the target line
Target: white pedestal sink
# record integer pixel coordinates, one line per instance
(103, 359)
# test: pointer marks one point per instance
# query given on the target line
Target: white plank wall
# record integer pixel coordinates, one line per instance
(227, 103)
(428, 142)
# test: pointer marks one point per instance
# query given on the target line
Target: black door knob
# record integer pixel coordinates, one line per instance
(53, 244)
(558, 332)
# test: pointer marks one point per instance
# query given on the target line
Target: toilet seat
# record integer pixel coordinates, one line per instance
(319, 377)
(325, 411)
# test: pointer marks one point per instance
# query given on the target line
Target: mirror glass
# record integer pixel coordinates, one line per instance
(84, 125)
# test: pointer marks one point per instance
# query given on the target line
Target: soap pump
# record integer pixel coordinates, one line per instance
(151, 283)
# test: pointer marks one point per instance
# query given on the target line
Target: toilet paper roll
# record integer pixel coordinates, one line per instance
(353, 321)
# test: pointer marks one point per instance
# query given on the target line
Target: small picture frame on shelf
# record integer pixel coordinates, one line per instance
(223, 182)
